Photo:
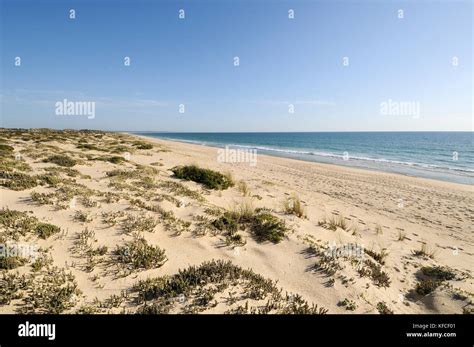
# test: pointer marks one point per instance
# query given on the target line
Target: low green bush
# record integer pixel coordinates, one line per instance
(425, 287)
(226, 222)
(267, 227)
(45, 230)
(139, 254)
(8, 263)
(61, 160)
(209, 178)
(17, 180)
(438, 272)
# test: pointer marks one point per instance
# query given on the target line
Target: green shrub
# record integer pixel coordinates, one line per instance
(16, 223)
(267, 227)
(50, 179)
(229, 222)
(61, 160)
(83, 217)
(120, 149)
(139, 254)
(233, 238)
(45, 230)
(139, 223)
(226, 222)
(41, 262)
(8, 263)
(435, 277)
(209, 178)
(373, 270)
(89, 147)
(61, 170)
(52, 292)
(123, 174)
(114, 159)
(350, 305)
(17, 180)
(178, 188)
(12, 283)
(379, 257)
(425, 287)
(99, 251)
(8, 163)
(143, 145)
(383, 308)
(263, 225)
(438, 273)
(6, 149)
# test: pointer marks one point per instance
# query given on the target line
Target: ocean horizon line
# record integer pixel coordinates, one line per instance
(292, 132)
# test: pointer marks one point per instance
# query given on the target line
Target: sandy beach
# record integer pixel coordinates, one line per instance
(363, 242)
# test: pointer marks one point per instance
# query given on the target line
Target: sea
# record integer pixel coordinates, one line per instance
(446, 156)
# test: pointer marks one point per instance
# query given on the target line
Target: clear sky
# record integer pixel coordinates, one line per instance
(282, 61)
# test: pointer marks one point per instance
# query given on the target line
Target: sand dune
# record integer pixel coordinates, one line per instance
(414, 233)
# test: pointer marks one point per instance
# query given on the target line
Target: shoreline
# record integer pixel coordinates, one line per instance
(332, 166)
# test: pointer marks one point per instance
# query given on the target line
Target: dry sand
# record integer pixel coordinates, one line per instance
(378, 207)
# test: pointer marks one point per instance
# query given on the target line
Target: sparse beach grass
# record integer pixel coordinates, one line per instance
(425, 251)
(243, 188)
(334, 222)
(401, 235)
(293, 205)
(138, 223)
(180, 189)
(379, 257)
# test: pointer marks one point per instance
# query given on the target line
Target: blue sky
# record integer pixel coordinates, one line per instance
(282, 61)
